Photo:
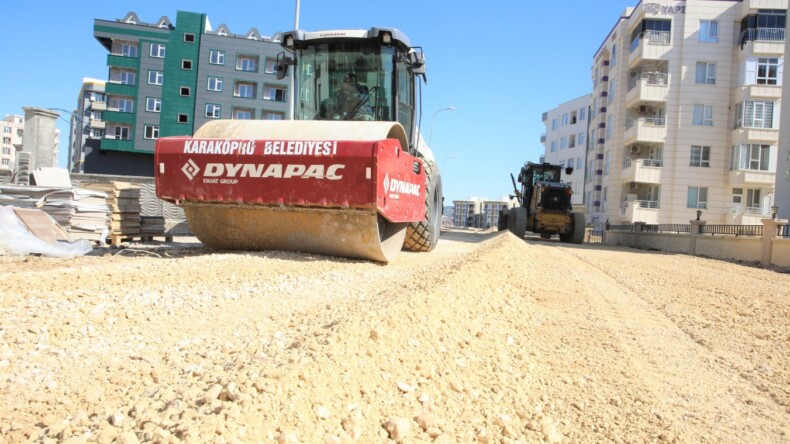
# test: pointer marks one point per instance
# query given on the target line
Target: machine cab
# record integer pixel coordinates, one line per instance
(358, 75)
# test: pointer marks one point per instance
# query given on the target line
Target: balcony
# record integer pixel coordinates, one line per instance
(651, 130)
(651, 87)
(99, 106)
(763, 41)
(641, 171)
(764, 4)
(750, 92)
(119, 89)
(746, 135)
(117, 144)
(747, 216)
(752, 177)
(119, 117)
(652, 45)
(98, 124)
(119, 61)
(640, 211)
(542, 138)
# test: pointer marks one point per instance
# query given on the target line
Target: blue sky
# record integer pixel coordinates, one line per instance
(500, 64)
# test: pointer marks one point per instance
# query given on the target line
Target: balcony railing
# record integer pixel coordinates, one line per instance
(762, 34)
(645, 121)
(650, 78)
(752, 211)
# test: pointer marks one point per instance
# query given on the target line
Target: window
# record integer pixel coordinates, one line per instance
(155, 77)
(7, 129)
(703, 115)
(706, 73)
(184, 91)
(189, 37)
(247, 63)
(767, 71)
(737, 196)
(612, 90)
(580, 139)
(582, 113)
(213, 111)
(609, 125)
(157, 50)
(6, 162)
(186, 64)
(553, 124)
(128, 50)
(215, 83)
(572, 141)
(216, 57)
(750, 114)
(125, 105)
(153, 104)
(613, 58)
(697, 197)
(606, 162)
(700, 156)
(273, 115)
(578, 163)
(242, 113)
(563, 143)
(753, 198)
(7, 141)
(564, 119)
(275, 92)
(6, 150)
(127, 78)
(271, 66)
(151, 132)
(245, 89)
(709, 31)
(183, 118)
(123, 132)
(604, 198)
(751, 157)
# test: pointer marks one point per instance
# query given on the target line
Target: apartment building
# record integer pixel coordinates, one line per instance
(167, 79)
(479, 213)
(686, 104)
(565, 141)
(87, 127)
(13, 129)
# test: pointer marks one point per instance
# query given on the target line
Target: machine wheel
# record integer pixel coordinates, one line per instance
(576, 234)
(423, 236)
(501, 224)
(546, 236)
(517, 221)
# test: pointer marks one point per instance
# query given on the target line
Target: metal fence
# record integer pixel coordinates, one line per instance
(660, 228)
(733, 230)
(596, 237)
(784, 231)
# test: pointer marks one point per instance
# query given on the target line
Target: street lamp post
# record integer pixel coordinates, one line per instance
(430, 138)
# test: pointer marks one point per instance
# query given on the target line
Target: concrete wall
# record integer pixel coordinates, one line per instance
(747, 249)
(781, 252)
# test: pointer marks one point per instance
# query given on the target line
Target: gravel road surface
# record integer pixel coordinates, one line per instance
(488, 339)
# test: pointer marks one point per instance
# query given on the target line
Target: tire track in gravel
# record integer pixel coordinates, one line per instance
(704, 397)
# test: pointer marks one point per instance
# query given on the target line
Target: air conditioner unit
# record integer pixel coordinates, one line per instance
(643, 109)
(635, 149)
(632, 185)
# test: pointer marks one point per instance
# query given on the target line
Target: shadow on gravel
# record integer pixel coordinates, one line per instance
(468, 236)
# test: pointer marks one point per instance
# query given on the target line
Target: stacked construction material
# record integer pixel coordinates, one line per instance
(173, 216)
(151, 226)
(82, 213)
(123, 198)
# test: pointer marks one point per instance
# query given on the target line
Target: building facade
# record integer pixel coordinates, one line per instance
(13, 129)
(565, 141)
(168, 79)
(685, 113)
(479, 213)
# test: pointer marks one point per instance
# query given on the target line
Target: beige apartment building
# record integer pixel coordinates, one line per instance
(13, 129)
(685, 113)
(565, 141)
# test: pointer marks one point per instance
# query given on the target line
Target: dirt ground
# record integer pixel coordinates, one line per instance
(488, 339)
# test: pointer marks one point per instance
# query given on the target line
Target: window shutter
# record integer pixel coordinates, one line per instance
(748, 114)
(750, 73)
(779, 70)
(701, 68)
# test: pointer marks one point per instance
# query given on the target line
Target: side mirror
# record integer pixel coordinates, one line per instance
(569, 171)
(282, 64)
(417, 61)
